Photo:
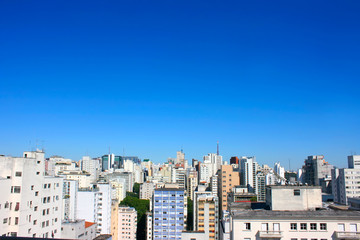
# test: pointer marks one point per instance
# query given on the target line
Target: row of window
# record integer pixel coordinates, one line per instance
(293, 226)
(9, 205)
(304, 226)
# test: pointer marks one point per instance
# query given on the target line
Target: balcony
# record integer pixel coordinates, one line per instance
(347, 235)
(270, 234)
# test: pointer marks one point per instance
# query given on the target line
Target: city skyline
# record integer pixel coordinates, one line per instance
(276, 80)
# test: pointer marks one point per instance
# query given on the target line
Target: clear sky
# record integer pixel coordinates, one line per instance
(275, 79)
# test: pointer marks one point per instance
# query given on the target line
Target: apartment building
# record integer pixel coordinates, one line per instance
(147, 190)
(206, 214)
(295, 225)
(228, 178)
(30, 202)
(168, 213)
(69, 199)
(127, 223)
(94, 205)
(346, 181)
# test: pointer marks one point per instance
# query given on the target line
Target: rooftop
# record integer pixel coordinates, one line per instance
(88, 224)
(292, 215)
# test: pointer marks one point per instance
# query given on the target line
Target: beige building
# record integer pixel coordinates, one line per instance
(206, 214)
(292, 198)
(123, 222)
(192, 182)
(228, 178)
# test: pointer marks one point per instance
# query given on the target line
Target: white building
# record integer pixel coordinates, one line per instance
(205, 172)
(248, 169)
(346, 181)
(215, 160)
(94, 205)
(354, 161)
(69, 198)
(149, 231)
(265, 224)
(83, 178)
(91, 166)
(178, 175)
(279, 170)
(32, 205)
(79, 229)
(147, 190)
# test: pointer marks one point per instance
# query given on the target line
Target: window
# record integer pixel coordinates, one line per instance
(15, 189)
(36, 193)
(313, 226)
(293, 226)
(18, 174)
(37, 173)
(296, 192)
(247, 226)
(16, 220)
(303, 226)
(323, 226)
(5, 220)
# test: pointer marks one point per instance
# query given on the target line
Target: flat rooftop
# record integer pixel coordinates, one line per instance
(293, 215)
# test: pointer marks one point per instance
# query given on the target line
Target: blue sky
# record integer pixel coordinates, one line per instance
(274, 79)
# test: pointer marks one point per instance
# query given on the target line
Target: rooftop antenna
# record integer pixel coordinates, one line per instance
(217, 148)
(289, 165)
(109, 150)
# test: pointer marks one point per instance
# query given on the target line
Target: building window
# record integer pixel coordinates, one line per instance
(313, 226)
(247, 226)
(5, 220)
(18, 174)
(296, 192)
(16, 220)
(15, 189)
(323, 226)
(303, 226)
(293, 226)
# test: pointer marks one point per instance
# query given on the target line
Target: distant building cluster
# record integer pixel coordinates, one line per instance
(208, 199)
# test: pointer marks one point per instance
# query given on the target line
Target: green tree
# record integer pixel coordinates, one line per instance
(190, 215)
(141, 206)
(136, 189)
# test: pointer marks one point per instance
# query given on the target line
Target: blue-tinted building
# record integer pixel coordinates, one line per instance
(168, 213)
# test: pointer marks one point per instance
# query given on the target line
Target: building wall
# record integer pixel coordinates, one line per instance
(127, 223)
(168, 214)
(34, 201)
(227, 180)
(146, 190)
(293, 197)
(240, 232)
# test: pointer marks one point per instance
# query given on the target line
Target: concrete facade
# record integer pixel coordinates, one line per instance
(291, 198)
(31, 201)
